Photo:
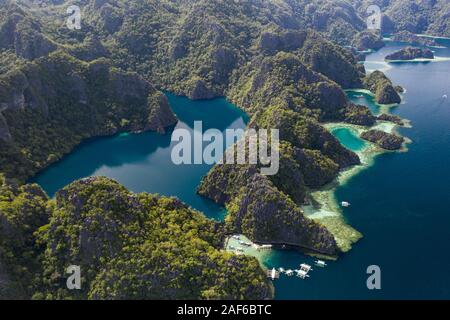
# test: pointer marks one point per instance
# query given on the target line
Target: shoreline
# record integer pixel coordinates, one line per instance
(324, 207)
(419, 60)
(327, 209)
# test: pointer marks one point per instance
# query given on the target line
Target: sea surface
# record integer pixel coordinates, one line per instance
(401, 204)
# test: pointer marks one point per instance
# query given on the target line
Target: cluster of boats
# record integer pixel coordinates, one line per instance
(302, 273)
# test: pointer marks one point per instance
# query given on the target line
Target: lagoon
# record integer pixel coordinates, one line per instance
(349, 139)
(142, 162)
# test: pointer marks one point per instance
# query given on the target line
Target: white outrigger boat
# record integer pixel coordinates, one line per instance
(289, 272)
(320, 263)
(345, 204)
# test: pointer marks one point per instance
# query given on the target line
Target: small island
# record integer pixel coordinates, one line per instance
(385, 91)
(387, 141)
(413, 39)
(391, 118)
(410, 53)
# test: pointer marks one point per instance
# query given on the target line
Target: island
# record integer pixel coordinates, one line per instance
(385, 140)
(385, 92)
(413, 39)
(410, 53)
(391, 118)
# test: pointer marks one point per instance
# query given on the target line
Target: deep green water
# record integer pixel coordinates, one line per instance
(400, 204)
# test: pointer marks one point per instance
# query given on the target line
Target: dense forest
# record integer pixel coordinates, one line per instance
(286, 63)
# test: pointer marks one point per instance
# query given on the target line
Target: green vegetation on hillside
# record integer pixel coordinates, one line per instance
(55, 102)
(281, 61)
(385, 92)
(128, 246)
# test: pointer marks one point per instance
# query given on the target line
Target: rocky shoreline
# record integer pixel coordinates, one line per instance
(387, 141)
(410, 54)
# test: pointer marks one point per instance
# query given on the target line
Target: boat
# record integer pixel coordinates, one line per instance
(243, 243)
(273, 274)
(236, 237)
(359, 96)
(281, 270)
(289, 273)
(302, 274)
(345, 204)
(305, 267)
(320, 263)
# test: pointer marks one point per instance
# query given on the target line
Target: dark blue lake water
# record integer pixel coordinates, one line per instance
(400, 204)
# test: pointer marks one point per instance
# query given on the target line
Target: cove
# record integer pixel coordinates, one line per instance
(348, 139)
(360, 97)
(399, 203)
(142, 162)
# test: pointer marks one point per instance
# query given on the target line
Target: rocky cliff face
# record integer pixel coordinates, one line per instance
(51, 104)
(359, 115)
(257, 209)
(383, 139)
(266, 209)
(23, 211)
(283, 80)
(305, 133)
(385, 92)
(140, 246)
(391, 118)
(22, 34)
(368, 40)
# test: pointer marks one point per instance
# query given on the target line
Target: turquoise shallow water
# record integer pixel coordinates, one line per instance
(349, 139)
(400, 204)
(362, 98)
(142, 162)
